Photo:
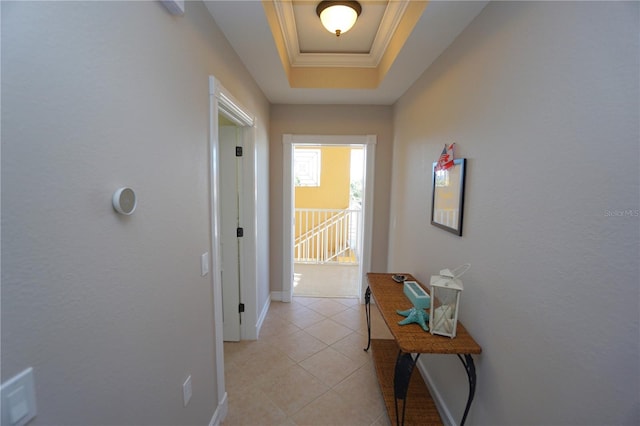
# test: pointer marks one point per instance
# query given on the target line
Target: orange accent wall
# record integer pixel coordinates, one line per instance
(333, 192)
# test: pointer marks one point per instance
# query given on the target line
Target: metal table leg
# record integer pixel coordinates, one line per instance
(402, 375)
(470, 368)
(367, 310)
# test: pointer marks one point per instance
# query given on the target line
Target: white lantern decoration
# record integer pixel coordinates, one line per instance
(445, 301)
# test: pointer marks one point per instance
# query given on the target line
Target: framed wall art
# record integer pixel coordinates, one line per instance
(447, 204)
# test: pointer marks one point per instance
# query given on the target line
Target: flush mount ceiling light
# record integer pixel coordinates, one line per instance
(338, 16)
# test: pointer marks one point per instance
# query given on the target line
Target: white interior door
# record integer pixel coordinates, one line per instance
(230, 189)
(222, 104)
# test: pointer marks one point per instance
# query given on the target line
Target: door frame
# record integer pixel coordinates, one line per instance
(222, 102)
(368, 142)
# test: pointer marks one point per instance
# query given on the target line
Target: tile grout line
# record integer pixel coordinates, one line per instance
(283, 314)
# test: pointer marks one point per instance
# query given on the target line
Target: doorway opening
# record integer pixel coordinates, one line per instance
(231, 189)
(233, 217)
(327, 250)
(328, 204)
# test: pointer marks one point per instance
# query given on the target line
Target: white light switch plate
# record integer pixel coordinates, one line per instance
(186, 391)
(204, 264)
(18, 399)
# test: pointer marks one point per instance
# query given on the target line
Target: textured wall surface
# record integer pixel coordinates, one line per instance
(542, 99)
(111, 311)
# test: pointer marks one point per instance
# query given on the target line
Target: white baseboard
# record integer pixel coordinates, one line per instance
(277, 295)
(262, 316)
(221, 412)
(444, 411)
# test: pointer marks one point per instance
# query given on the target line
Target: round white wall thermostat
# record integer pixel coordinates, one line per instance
(124, 201)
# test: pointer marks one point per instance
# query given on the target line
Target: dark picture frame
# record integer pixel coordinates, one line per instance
(447, 201)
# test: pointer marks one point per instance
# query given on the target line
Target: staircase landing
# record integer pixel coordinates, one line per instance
(328, 280)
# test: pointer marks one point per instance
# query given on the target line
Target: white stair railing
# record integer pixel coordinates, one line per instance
(327, 236)
(448, 217)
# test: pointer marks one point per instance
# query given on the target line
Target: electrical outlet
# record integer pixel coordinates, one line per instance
(186, 391)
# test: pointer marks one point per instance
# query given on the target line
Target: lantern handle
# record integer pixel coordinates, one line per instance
(460, 270)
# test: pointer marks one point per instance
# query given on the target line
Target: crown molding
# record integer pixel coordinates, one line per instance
(391, 19)
(287, 23)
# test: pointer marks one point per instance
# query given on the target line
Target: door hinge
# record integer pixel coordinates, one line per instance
(241, 308)
(238, 151)
(240, 232)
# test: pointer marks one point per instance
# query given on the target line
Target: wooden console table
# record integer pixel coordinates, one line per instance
(412, 339)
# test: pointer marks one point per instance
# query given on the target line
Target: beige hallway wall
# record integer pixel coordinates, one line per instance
(542, 98)
(111, 311)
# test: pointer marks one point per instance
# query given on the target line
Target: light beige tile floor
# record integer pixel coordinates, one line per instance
(326, 280)
(307, 367)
